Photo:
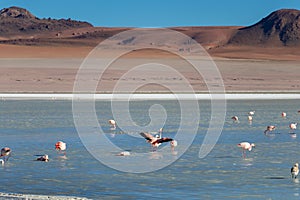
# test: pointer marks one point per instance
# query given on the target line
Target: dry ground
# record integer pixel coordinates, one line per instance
(53, 69)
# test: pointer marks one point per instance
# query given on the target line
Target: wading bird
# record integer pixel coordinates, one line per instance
(235, 118)
(250, 118)
(5, 153)
(295, 171)
(112, 123)
(251, 113)
(293, 126)
(173, 144)
(245, 146)
(44, 158)
(61, 147)
(269, 129)
(124, 153)
(157, 141)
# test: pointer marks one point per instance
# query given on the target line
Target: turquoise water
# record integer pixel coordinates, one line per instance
(30, 128)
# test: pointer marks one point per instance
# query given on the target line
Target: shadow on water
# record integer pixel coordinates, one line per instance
(275, 177)
(226, 156)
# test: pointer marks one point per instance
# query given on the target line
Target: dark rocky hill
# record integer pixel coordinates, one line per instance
(19, 21)
(280, 28)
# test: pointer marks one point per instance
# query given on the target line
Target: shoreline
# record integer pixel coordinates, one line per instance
(149, 96)
(17, 196)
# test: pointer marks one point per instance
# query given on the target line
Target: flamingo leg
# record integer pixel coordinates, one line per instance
(244, 154)
(154, 148)
(7, 157)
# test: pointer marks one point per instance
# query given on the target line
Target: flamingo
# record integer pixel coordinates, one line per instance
(250, 118)
(246, 146)
(112, 123)
(124, 153)
(61, 147)
(295, 171)
(44, 158)
(283, 114)
(173, 144)
(5, 152)
(293, 126)
(251, 113)
(156, 141)
(235, 118)
(269, 129)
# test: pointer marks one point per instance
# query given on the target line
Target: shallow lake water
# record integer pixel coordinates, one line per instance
(31, 127)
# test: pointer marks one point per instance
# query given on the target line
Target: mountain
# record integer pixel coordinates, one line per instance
(280, 28)
(15, 21)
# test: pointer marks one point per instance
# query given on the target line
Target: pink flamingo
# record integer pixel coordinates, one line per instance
(44, 158)
(112, 123)
(293, 126)
(5, 152)
(61, 147)
(157, 141)
(245, 146)
(251, 112)
(250, 118)
(269, 129)
(124, 153)
(235, 118)
(173, 144)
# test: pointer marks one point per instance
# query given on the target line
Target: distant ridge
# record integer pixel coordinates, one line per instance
(280, 28)
(20, 27)
(19, 21)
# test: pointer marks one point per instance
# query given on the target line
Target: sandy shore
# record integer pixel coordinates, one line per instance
(27, 69)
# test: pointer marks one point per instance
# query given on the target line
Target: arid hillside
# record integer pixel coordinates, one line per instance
(15, 21)
(280, 28)
(275, 37)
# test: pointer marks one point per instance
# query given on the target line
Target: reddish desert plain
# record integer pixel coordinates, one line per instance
(47, 61)
(31, 69)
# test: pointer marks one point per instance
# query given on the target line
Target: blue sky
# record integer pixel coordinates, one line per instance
(155, 13)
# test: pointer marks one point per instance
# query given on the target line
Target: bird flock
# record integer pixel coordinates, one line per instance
(247, 146)
(156, 140)
(61, 146)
